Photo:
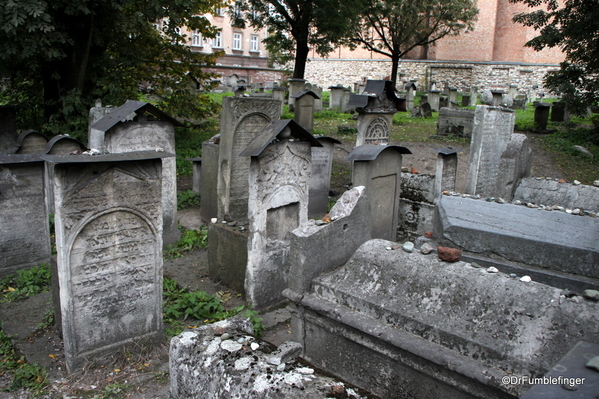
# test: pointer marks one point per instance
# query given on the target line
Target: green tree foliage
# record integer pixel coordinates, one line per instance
(394, 27)
(297, 26)
(573, 26)
(58, 56)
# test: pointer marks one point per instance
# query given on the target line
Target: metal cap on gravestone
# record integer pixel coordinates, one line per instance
(31, 142)
(378, 168)
(304, 108)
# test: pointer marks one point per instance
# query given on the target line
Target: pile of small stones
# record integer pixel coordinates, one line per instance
(575, 211)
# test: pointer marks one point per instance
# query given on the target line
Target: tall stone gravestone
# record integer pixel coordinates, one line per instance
(209, 179)
(493, 128)
(317, 90)
(376, 107)
(295, 86)
(434, 99)
(320, 177)
(379, 170)
(542, 114)
(278, 93)
(305, 108)
(473, 96)
(8, 129)
(559, 112)
(147, 129)
(335, 97)
(109, 263)
(446, 171)
(24, 231)
(410, 94)
(278, 203)
(241, 120)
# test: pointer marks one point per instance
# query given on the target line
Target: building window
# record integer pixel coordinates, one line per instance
(218, 40)
(220, 12)
(254, 43)
(237, 41)
(196, 38)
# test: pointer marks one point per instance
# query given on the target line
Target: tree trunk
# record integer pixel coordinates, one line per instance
(301, 57)
(394, 68)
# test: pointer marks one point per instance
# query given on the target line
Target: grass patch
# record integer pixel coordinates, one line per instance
(187, 199)
(183, 307)
(25, 283)
(25, 375)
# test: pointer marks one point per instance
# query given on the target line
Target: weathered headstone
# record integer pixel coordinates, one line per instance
(278, 203)
(345, 100)
(433, 99)
(305, 108)
(493, 128)
(559, 112)
(446, 171)
(8, 129)
(318, 99)
(497, 97)
(513, 91)
(197, 174)
(455, 122)
(465, 100)
(410, 94)
(515, 164)
(542, 114)
(426, 110)
(335, 97)
(378, 168)
(320, 177)
(31, 142)
(278, 93)
(416, 206)
(473, 96)
(375, 107)
(241, 120)
(209, 179)
(146, 129)
(24, 231)
(452, 95)
(109, 241)
(295, 86)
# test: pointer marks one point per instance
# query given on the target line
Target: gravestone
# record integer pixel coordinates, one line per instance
(8, 129)
(95, 114)
(455, 122)
(473, 96)
(24, 231)
(109, 263)
(513, 91)
(31, 142)
(446, 171)
(305, 108)
(452, 95)
(465, 100)
(410, 94)
(497, 97)
(295, 86)
(278, 203)
(318, 99)
(241, 120)
(426, 110)
(515, 164)
(146, 128)
(375, 107)
(209, 179)
(335, 97)
(197, 174)
(559, 112)
(59, 145)
(320, 177)
(278, 93)
(378, 168)
(493, 128)
(345, 100)
(433, 99)
(542, 114)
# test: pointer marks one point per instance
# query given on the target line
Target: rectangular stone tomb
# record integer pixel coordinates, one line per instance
(24, 231)
(404, 324)
(551, 240)
(109, 240)
(455, 122)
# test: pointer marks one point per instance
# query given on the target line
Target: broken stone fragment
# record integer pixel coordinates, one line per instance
(492, 269)
(408, 247)
(593, 363)
(526, 279)
(285, 353)
(426, 248)
(591, 294)
(449, 254)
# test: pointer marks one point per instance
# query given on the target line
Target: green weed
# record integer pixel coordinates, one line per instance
(25, 375)
(25, 283)
(187, 199)
(190, 240)
(113, 391)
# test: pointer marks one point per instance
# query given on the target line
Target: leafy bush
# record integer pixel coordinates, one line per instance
(187, 199)
(190, 240)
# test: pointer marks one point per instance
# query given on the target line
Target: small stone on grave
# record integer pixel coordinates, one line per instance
(408, 247)
(591, 294)
(492, 269)
(449, 254)
(426, 248)
(526, 279)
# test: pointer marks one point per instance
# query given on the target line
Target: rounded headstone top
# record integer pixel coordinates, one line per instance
(486, 97)
(507, 101)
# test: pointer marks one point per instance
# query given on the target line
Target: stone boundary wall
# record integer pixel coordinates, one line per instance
(551, 192)
(463, 75)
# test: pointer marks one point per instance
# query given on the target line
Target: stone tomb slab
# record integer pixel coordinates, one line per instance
(24, 231)
(109, 263)
(419, 327)
(552, 240)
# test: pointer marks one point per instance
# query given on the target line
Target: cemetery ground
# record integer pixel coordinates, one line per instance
(142, 370)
